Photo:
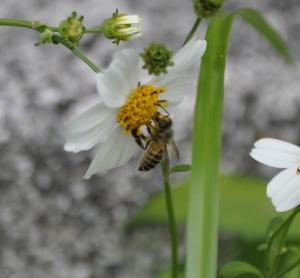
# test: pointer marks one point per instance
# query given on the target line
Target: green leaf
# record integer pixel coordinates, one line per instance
(276, 243)
(258, 22)
(245, 211)
(274, 225)
(290, 266)
(181, 168)
(203, 211)
(168, 274)
(237, 268)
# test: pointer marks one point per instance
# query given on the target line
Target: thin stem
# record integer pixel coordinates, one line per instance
(82, 57)
(291, 267)
(279, 237)
(171, 219)
(193, 30)
(52, 28)
(33, 25)
(16, 22)
(93, 30)
(23, 23)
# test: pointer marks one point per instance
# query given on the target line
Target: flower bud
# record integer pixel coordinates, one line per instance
(46, 37)
(72, 29)
(207, 8)
(157, 58)
(122, 27)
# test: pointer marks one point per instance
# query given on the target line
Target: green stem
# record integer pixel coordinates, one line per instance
(276, 243)
(171, 219)
(203, 209)
(291, 267)
(16, 22)
(93, 30)
(82, 57)
(193, 30)
(23, 23)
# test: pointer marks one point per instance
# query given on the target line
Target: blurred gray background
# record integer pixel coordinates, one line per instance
(55, 224)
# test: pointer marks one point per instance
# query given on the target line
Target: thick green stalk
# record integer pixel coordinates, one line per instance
(203, 213)
(171, 219)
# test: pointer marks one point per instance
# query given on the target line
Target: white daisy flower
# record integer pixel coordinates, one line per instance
(284, 188)
(128, 101)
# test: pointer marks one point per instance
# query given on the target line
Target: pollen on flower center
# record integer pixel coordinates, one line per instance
(141, 106)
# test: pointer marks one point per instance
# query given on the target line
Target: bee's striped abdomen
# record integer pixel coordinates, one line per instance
(152, 157)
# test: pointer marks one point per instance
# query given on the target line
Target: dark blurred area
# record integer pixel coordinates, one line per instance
(55, 224)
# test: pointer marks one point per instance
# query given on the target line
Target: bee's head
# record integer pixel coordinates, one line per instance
(163, 121)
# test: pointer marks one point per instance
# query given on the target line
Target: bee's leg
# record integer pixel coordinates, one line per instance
(138, 138)
(161, 104)
(150, 130)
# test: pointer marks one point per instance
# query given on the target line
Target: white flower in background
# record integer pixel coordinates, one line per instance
(284, 188)
(127, 102)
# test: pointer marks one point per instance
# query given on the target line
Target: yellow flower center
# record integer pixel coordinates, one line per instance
(141, 107)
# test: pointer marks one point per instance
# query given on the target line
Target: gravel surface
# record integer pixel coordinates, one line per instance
(55, 224)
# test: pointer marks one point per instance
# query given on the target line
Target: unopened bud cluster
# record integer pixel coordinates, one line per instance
(157, 58)
(122, 27)
(207, 8)
(72, 29)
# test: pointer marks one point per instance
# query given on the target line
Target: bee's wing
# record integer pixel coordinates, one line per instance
(173, 150)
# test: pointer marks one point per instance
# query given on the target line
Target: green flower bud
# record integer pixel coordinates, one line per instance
(72, 29)
(207, 8)
(157, 58)
(46, 37)
(122, 27)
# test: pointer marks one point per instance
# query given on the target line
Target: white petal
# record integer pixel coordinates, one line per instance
(275, 158)
(280, 181)
(135, 35)
(275, 144)
(290, 203)
(129, 19)
(178, 87)
(178, 80)
(130, 30)
(188, 55)
(121, 77)
(287, 190)
(90, 128)
(116, 151)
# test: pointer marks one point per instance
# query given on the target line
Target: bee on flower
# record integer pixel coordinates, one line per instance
(284, 188)
(128, 99)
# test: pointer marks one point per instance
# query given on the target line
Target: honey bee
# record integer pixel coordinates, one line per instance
(160, 139)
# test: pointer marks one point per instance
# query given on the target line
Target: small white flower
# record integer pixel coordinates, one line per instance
(129, 98)
(284, 188)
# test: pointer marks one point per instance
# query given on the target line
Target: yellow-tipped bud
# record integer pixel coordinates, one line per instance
(122, 27)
